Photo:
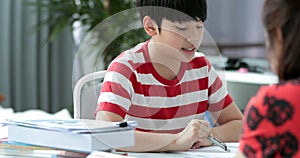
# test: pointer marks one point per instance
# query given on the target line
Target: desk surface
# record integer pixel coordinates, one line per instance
(249, 77)
(206, 152)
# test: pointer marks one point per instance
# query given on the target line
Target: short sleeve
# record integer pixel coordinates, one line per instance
(218, 96)
(115, 95)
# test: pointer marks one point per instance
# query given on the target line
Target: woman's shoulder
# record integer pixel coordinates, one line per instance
(287, 91)
(283, 86)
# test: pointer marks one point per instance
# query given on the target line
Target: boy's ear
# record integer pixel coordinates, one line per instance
(149, 26)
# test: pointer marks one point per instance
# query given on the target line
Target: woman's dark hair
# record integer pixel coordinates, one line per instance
(285, 15)
(174, 10)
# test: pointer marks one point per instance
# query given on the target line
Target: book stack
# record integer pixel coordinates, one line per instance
(75, 134)
(21, 150)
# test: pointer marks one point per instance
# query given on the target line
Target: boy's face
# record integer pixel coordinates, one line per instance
(183, 37)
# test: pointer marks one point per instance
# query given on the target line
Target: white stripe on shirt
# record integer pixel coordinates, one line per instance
(166, 102)
(115, 99)
(171, 124)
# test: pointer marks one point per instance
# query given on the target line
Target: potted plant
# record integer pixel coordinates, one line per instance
(88, 14)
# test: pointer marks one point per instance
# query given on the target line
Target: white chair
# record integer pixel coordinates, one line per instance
(85, 95)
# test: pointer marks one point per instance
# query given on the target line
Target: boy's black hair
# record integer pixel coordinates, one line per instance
(174, 10)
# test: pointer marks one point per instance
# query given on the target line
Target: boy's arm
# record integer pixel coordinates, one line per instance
(230, 122)
(240, 155)
(230, 118)
(147, 141)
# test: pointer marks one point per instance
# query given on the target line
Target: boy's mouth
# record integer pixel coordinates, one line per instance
(189, 50)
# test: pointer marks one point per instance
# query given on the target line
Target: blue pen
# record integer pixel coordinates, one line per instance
(214, 140)
(218, 143)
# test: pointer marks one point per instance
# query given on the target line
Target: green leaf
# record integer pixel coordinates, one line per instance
(63, 14)
(58, 28)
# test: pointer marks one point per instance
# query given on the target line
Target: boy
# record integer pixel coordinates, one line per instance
(166, 86)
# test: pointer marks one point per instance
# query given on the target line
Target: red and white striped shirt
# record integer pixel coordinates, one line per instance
(133, 89)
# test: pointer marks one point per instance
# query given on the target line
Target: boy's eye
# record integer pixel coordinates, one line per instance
(181, 27)
(199, 27)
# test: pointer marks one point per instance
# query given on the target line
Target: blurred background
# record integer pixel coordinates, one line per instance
(39, 40)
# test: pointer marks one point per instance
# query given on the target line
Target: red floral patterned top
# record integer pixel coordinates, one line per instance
(271, 126)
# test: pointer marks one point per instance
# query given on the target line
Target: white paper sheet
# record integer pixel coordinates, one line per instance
(205, 152)
(8, 113)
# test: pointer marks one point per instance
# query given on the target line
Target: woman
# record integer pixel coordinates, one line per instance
(271, 118)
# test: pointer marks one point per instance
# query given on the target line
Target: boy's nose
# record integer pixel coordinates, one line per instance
(193, 35)
(194, 42)
(194, 38)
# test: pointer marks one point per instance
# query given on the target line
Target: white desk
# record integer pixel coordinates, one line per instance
(242, 86)
(251, 78)
(206, 152)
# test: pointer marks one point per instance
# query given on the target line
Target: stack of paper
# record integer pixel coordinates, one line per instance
(79, 135)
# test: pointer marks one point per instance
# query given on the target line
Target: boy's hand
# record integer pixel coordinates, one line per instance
(201, 144)
(194, 135)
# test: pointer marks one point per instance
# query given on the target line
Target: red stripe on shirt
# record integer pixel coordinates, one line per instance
(157, 90)
(214, 107)
(115, 88)
(122, 69)
(167, 113)
(171, 91)
(215, 86)
(199, 62)
(114, 108)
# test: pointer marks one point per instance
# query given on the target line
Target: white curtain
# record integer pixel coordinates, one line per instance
(33, 74)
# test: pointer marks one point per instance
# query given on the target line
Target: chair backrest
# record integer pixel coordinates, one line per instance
(85, 95)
